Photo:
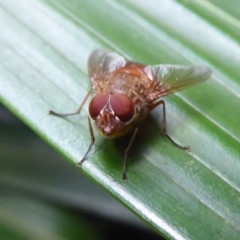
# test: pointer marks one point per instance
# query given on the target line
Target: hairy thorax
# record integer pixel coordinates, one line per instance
(130, 81)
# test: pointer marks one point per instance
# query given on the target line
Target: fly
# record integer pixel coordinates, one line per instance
(125, 92)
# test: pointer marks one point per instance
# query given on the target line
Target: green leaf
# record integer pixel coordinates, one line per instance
(30, 168)
(44, 51)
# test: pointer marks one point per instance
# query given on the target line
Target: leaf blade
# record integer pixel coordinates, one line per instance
(39, 72)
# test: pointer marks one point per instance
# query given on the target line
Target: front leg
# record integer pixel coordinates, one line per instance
(124, 175)
(50, 112)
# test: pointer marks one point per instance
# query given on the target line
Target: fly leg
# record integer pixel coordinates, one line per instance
(50, 112)
(124, 176)
(91, 144)
(89, 124)
(164, 125)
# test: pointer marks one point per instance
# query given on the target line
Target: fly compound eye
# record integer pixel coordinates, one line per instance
(97, 104)
(122, 106)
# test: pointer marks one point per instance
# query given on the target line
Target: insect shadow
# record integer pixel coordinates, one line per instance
(149, 131)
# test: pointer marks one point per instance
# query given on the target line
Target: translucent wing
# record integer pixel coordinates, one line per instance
(173, 78)
(102, 61)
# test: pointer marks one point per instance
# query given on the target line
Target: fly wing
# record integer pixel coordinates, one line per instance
(174, 78)
(102, 61)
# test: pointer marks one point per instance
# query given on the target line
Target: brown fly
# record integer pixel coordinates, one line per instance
(125, 92)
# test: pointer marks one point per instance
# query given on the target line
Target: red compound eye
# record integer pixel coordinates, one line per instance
(122, 107)
(97, 104)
